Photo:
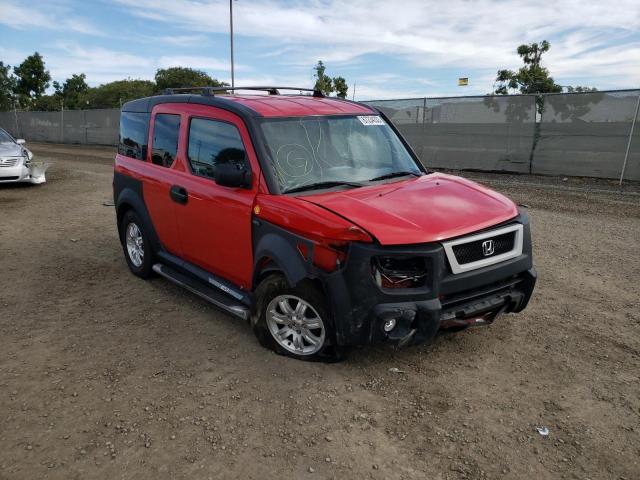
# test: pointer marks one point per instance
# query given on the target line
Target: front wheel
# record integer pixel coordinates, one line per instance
(294, 321)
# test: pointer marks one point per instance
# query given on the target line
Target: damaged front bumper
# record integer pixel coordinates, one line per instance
(25, 172)
(365, 313)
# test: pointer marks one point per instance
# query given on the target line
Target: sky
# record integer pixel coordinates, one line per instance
(387, 49)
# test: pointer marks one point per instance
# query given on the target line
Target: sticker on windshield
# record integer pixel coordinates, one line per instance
(371, 120)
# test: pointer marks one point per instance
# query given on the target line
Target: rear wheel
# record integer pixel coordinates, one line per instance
(294, 321)
(135, 243)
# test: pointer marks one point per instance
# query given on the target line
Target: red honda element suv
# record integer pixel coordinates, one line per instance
(313, 219)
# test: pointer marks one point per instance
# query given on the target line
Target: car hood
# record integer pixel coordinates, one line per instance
(10, 150)
(419, 210)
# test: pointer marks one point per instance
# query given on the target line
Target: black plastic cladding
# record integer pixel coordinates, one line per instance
(358, 305)
(129, 191)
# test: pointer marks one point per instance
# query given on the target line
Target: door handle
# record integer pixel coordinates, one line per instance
(179, 194)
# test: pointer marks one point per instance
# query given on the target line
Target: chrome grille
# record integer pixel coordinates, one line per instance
(9, 162)
(469, 253)
(473, 251)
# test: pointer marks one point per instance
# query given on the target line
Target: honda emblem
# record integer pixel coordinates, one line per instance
(488, 247)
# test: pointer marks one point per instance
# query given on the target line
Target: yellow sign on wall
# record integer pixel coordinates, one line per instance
(463, 82)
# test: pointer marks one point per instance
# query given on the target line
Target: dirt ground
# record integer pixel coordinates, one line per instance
(103, 375)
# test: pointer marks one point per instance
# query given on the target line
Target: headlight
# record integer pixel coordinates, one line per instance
(27, 156)
(399, 272)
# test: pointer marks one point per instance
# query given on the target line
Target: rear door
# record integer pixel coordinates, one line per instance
(159, 184)
(215, 223)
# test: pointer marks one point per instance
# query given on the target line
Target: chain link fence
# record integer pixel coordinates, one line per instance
(91, 127)
(578, 134)
(480, 133)
(587, 134)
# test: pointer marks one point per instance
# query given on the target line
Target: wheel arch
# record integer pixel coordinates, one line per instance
(128, 196)
(277, 250)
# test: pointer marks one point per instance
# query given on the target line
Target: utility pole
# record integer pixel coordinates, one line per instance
(353, 97)
(15, 115)
(233, 83)
(62, 120)
(633, 126)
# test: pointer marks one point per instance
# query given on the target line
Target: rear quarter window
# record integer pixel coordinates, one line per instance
(166, 129)
(134, 130)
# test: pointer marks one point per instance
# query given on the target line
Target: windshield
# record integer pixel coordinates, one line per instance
(5, 137)
(318, 150)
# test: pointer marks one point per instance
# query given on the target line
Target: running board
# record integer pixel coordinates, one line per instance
(216, 297)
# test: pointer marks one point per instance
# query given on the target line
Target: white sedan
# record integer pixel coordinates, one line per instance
(16, 162)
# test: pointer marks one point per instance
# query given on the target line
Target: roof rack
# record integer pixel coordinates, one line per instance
(211, 91)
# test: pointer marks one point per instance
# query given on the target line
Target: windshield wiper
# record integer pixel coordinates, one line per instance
(319, 185)
(395, 174)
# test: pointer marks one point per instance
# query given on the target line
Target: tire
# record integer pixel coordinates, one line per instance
(136, 245)
(295, 326)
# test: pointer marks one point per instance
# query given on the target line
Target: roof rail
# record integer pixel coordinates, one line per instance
(210, 91)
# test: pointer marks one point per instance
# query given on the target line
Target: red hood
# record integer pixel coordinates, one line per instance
(425, 209)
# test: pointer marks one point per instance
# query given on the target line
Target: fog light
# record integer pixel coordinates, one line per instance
(389, 324)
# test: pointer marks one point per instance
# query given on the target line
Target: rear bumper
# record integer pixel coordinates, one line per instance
(361, 308)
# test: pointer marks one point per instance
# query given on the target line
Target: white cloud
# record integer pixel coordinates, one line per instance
(178, 40)
(100, 64)
(408, 48)
(462, 35)
(25, 16)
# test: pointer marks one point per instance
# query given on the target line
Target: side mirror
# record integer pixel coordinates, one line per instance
(232, 175)
(21, 141)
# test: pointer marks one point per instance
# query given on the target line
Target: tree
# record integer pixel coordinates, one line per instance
(8, 84)
(33, 79)
(323, 81)
(113, 94)
(47, 103)
(326, 84)
(177, 77)
(72, 90)
(530, 78)
(340, 86)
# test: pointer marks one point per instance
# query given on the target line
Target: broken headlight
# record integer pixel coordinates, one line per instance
(399, 271)
(27, 156)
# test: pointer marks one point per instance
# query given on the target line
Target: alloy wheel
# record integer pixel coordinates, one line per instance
(295, 325)
(135, 244)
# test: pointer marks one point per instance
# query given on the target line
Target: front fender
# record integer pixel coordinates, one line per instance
(282, 249)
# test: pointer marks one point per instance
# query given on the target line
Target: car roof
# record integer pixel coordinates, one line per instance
(259, 105)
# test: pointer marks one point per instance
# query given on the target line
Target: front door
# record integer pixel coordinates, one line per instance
(215, 222)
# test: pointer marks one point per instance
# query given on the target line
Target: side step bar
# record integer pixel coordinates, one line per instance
(211, 295)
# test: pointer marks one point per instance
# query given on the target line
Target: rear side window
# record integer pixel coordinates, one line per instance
(212, 142)
(134, 131)
(166, 128)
